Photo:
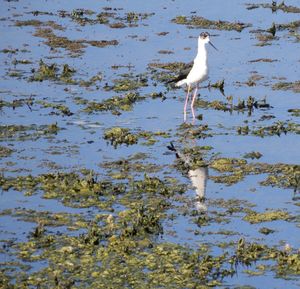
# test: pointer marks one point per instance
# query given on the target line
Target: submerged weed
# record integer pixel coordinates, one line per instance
(128, 83)
(278, 128)
(118, 135)
(60, 108)
(74, 46)
(197, 21)
(5, 151)
(30, 132)
(114, 104)
(295, 86)
(274, 6)
(268, 216)
(234, 170)
(51, 72)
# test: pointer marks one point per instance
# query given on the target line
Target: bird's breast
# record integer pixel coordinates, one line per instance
(198, 73)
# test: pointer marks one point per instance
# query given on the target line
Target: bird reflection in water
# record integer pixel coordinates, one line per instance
(198, 176)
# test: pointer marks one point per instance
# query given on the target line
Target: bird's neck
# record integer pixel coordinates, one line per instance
(202, 53)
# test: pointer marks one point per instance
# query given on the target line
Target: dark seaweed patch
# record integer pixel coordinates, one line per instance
(274, 6)
(201, 22)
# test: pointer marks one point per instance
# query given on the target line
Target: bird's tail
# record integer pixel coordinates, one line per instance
(180, 82)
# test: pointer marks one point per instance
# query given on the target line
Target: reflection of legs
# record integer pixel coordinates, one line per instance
(193, 101)
(186, 102)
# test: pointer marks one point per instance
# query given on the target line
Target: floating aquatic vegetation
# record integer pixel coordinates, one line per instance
(102, 43)
(60, 108)
(142, 259)
(9, 50)
(15, 73)
(155, 95)
(123, 168)
(38, 23)
(23, 132)
(237, 168)
(37, 13)
(286, 176)
(219, 84)
(280, 175)
(21, 61)
(45, 72)
(117, 25)
(93, 80)
(5, 151)
(294, 112)
(47, 218)
(17, 103)
(52, 129)
(171, 66)
(272, 29)
(254, 217)
(54, 41)
(72, 189)
(286, 262)
(266, 231)
(128, 82)
(84, 17)
(50, 72)
(264, 39)
(215, 104)
(115, 103)
(247, 105)
(246, 253)
(253, 155)
(74, 46)
(295, 86)
(190, 131)
(278, 128)
(292, 26)
(67, 72)
(274, 6)
(165, 52)
(119, 135)
(296, 35)
(127, 235)
(201, 22)
(263, 60)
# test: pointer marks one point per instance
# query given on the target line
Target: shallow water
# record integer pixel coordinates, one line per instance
(79, 142)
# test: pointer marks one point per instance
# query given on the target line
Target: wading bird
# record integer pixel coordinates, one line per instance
(197, 74)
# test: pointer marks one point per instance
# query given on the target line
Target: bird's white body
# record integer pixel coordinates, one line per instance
(199, 71)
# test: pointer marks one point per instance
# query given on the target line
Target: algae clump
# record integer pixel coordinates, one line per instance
(255, 218)
(197, 21)
(119, 135)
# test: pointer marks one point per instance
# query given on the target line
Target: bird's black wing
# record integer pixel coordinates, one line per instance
(182, 73)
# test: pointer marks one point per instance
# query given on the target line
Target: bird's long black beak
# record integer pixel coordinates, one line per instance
(213, 46)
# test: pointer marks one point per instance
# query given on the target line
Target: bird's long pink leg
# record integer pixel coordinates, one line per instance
(186, 102)
(193, 101)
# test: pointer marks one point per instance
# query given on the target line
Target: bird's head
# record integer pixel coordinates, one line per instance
(204, 38)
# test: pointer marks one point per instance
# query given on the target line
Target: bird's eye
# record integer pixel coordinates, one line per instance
(203, 35)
